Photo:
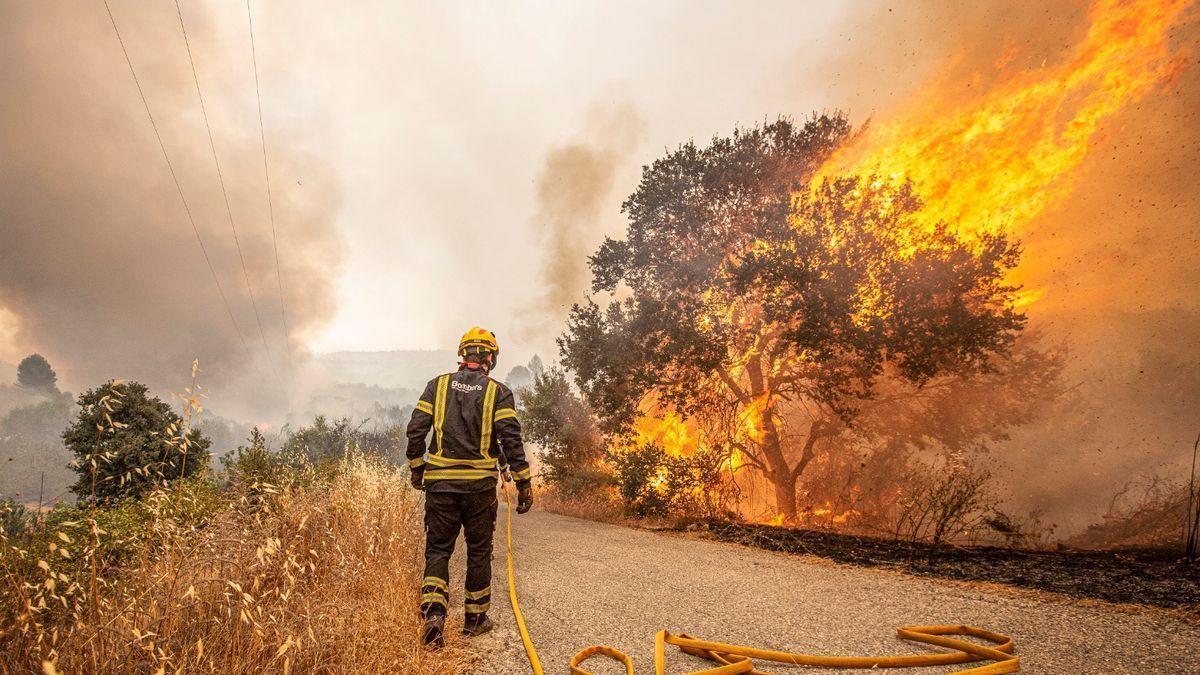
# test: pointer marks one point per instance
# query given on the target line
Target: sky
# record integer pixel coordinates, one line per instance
(434, 165)
(440, 119)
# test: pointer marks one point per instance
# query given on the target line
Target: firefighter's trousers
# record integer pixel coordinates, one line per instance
(445, 514)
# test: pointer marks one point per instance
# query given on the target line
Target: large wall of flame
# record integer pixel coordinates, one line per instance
(1115, 258)
(100, 270)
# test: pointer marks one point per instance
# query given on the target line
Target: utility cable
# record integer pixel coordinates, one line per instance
(224, 193)
(175, 178)
(270, 202)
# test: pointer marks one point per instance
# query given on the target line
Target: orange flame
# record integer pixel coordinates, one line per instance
(995, 163)
(667, 430)
(822, 516)
(752, 418)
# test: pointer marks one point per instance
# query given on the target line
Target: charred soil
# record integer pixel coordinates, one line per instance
(1151, 577)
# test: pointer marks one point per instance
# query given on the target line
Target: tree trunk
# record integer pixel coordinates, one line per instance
(782, 477)
(785, 494)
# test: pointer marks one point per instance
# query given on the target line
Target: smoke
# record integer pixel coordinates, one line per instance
(891, 57)
(99, 267)
(574, 188)
(1118, 259)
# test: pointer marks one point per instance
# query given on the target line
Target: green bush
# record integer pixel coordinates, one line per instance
(324, 444)
(255, 464)
(128, 442)
(652, 482)
(126, 527)
(641, 478)
(560, 422)
(15, 518)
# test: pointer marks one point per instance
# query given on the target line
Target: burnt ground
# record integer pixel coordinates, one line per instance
(1145, 577)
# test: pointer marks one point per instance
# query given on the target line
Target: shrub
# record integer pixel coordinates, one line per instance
(324, 444)
(641, 477)
(942, 503)
(127, 442)
(323, 579)
(571, 446)
(16, 520)
(1148, 512)
(654, 483)
(254, 465)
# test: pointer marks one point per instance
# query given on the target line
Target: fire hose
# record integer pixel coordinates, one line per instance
(740, 659)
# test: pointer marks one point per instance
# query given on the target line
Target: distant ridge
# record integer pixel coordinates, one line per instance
(403, 368)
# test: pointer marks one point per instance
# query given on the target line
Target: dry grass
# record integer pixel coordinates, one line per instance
(320, 576)
(589, 506)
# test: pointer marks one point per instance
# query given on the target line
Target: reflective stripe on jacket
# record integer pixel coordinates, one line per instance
(475, 431)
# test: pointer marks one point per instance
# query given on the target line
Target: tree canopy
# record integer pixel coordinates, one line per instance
(519, 378)
(554, 417)
(34, 372)
(744, 285)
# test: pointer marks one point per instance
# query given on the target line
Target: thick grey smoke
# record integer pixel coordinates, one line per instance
(99, 267)
(574, 190)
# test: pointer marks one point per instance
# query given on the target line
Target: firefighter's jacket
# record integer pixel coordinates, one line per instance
(475, 434)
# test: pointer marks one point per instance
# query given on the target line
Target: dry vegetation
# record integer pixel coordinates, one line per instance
(315, 574)
(591, 506)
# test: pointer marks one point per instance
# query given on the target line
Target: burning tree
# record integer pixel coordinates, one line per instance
(746, 288)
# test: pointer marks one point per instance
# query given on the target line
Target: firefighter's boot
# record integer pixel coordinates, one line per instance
(476, 625)
(433, 634)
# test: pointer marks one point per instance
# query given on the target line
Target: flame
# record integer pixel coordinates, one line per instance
(667, 430)
(752, 418)
(993, 163)
(997, 162)
(820, 516)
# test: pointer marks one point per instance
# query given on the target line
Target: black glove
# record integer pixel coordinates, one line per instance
(418, 479)
(524, 498)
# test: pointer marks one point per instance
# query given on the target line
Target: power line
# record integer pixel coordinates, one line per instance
(224, 193)
(175, 178)
(270, 202)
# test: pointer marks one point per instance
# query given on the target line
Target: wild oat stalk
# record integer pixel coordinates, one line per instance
(316, 572)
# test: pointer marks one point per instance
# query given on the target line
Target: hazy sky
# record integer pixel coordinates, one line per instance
(438, 165)
(415, 148)
(438, 118)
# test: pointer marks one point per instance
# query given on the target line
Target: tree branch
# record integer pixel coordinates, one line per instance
(753, 458)
(814, 433)
(733, 385)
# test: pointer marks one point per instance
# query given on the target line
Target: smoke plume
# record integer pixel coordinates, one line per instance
(100, 268)
(574, 188)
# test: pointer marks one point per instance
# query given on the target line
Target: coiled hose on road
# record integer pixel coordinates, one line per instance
(739, 659)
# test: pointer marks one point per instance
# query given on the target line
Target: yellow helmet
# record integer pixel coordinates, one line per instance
(482, 338)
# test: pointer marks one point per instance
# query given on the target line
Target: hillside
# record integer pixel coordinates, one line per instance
(406, 369)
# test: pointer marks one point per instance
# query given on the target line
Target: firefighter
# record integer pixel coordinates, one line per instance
(475, 436)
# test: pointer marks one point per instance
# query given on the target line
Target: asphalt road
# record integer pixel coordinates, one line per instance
(582, 583)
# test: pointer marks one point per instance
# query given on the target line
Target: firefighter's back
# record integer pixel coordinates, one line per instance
(462, 454)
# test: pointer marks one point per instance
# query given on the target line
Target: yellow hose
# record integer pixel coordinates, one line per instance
(534, 662)
(738, 659)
